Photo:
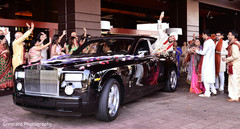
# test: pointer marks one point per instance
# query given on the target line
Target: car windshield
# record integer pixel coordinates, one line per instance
(106, 46)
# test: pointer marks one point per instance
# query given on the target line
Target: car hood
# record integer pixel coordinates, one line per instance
(84, 61)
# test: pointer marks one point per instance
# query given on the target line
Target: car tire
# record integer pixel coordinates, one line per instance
(171, 84)
(109, 101)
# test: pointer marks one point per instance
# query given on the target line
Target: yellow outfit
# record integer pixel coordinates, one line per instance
(18, 50)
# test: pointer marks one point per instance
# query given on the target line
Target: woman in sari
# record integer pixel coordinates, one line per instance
(184, 55)
(188, 62)
(34, 54)
(6, 75)
(196, 86)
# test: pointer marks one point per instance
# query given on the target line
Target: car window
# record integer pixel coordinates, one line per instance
(108, 46)
(142, 47)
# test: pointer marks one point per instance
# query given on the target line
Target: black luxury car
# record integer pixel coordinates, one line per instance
(99, 76)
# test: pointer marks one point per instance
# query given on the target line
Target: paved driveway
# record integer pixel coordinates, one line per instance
(160, 110)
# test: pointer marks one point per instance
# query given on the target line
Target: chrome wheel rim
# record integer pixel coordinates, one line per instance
(113, 100)
(173, 79)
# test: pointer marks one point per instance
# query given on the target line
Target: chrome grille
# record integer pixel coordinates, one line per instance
(41, 82)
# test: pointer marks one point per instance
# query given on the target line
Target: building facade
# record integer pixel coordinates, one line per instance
(193, 16)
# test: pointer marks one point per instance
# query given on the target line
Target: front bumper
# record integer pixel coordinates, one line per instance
(62, 106)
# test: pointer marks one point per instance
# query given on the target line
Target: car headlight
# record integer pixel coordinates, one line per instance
(19, 74)
(69, 90)
(73, 77)
(19, 86)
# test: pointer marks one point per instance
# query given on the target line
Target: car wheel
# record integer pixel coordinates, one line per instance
(109, 101)
(171, 84)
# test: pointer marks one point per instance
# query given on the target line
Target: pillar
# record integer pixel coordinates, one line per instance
(178, 18)
(192, 19)
(74, 15)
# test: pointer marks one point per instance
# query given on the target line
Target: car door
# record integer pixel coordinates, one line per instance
(141, 69)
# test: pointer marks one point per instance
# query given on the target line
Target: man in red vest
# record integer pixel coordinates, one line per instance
(233, 61)
(220, 65)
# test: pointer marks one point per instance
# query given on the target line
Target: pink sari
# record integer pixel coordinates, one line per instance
(34, 55)
(194, 88)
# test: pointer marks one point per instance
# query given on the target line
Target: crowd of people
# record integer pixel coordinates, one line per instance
(206, 65)
(14, 54)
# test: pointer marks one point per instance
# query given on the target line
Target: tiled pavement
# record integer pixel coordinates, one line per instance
(161, 110)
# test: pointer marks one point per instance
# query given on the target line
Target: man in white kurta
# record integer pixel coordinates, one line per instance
(208, 65)
(233, 61)
(164, 43)
(220, 65)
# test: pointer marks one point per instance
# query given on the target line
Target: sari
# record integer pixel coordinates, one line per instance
(194, 88)
(183, 57)
(6, 74)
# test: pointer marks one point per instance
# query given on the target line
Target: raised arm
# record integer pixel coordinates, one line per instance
(6, 32)
(160, 30)
(64, 33)
(44, 46)
(194, 37)
(85, 35)
(162, 36)
(26, 34)
(85, 32)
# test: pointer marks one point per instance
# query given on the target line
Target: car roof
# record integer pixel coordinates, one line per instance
(132, 37)
(136, 37)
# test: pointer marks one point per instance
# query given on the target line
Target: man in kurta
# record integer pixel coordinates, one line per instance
(164, 43)
(233, 61)
(18, 49)
(208, 65)
(220, 65)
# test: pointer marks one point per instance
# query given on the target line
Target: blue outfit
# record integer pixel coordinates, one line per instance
(178, 56)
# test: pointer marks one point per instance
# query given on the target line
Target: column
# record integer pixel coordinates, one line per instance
(76, 14)
(192, 19)
(178, 18)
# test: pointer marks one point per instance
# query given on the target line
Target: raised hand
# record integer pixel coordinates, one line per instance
(28, 25)
(161, 16)
(84, 29)
(50, 40)
(64, 32)
(5, 31)
(32, 26)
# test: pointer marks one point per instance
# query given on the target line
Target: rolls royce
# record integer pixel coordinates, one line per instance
(99, 76)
